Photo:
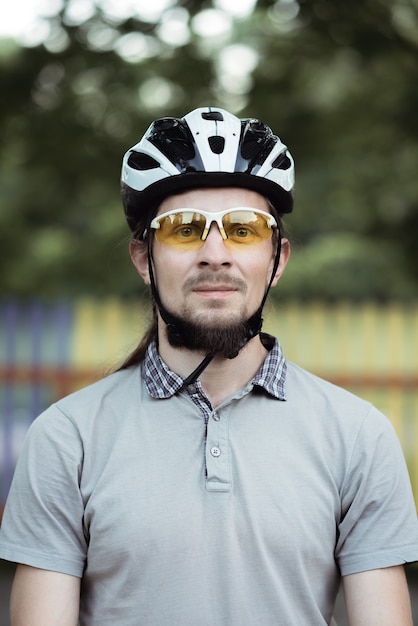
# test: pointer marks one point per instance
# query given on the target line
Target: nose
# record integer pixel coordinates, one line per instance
(214, 252)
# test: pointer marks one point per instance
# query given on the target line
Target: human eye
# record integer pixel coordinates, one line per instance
(186, 232)
(242, 233)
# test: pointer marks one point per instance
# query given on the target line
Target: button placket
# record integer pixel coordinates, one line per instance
(217, 453)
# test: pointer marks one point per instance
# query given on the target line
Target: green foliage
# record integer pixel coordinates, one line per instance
(336, 80)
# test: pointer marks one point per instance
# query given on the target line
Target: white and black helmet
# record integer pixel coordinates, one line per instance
(208, 147)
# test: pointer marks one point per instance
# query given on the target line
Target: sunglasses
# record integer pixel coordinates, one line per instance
(188, 228)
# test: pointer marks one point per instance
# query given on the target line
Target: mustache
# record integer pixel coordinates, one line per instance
(211, 278)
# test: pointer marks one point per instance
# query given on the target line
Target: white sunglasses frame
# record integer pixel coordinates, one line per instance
(214, 217)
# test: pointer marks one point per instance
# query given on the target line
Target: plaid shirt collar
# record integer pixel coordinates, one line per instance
(161, 382)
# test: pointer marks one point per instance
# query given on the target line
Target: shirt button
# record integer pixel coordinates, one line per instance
(215, 451)
(216, 417)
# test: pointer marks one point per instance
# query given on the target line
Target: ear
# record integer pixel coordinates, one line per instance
(139, 257)
(284, 257)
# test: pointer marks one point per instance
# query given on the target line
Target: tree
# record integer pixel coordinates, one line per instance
(337, 81)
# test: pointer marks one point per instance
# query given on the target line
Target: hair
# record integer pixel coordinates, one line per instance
(138, 238)
(138, 354)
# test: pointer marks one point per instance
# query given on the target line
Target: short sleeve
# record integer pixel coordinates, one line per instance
(378, 525)
(43, 518)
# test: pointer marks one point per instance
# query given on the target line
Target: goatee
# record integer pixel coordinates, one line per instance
(223, 340)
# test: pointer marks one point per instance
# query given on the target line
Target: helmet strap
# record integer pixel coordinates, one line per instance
(255, 322)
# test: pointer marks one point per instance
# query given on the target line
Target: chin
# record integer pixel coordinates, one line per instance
(218, 320)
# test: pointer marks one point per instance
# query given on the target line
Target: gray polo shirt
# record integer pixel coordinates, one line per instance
(177, 514)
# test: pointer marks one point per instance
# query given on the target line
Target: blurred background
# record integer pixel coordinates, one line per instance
(81, 80)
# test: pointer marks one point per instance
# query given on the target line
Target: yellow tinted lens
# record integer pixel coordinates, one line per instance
(181, 229)
(246, 227)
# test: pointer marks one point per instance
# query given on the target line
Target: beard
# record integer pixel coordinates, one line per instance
(224, 340)
(224, 337)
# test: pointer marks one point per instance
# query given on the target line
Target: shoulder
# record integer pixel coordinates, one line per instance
(117, 388)
(332, 407)
(318, 389)
(101, 402)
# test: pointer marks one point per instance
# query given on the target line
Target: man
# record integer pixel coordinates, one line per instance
(208, 481)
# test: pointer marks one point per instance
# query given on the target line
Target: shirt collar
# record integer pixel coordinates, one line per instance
(161, 382)
(272, 374)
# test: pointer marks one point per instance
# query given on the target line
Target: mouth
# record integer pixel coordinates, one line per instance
(214, 291)
(214, 287)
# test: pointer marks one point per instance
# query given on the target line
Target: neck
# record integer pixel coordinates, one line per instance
(222, 377)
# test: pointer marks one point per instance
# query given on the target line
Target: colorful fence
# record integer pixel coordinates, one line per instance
(47, 351)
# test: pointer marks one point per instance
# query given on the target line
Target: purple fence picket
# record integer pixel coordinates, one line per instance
(9, 314)
(36, 317)
(34, 338)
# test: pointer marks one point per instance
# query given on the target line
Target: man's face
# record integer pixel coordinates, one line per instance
(215, 285)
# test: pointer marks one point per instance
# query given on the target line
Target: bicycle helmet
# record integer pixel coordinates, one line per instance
(208, 147)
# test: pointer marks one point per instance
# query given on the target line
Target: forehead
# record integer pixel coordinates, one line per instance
(214, 200)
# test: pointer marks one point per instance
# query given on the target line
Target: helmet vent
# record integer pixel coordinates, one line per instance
(255, 146)
(250, 149)
(178, 149)
(214, 116)
(139, 161)
(174, 140)
(257, 140)
(217, 144)
(282, 162)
